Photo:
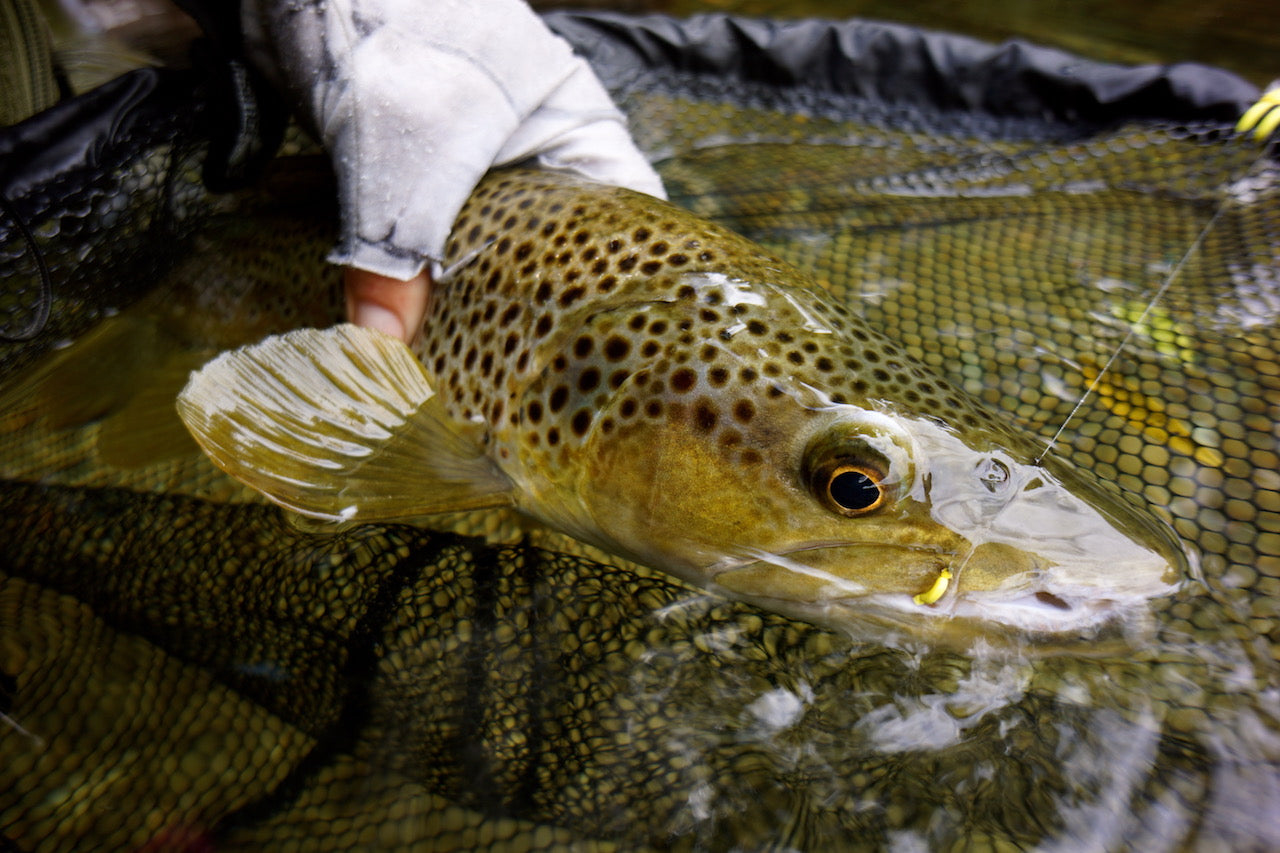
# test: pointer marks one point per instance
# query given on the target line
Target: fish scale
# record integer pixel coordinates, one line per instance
(555, 289)
(661, 388)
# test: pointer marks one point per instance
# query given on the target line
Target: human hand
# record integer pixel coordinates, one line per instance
(415, 100)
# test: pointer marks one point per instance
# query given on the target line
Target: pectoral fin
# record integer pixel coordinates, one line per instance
(338, 424)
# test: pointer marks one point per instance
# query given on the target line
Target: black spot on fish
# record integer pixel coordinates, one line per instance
(677, 260)
(523, 250)
(650, 267)
(755, 327)
(543, 326)
(627, 263)
(589, 380)
(704, 415)
(683, 380)
(628, 408)
(607, 283)
(572, 295)
(580, 421)
(616, 348)
(744, 411)
(583, 345)
(558, 398)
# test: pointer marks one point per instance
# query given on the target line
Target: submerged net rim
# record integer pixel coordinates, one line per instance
(898, 65)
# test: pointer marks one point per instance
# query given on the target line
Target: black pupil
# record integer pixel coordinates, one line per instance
(854, 490)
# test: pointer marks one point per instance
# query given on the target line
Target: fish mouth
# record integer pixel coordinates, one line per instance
(986, 592)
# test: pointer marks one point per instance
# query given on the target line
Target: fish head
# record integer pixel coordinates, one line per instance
(855, 507)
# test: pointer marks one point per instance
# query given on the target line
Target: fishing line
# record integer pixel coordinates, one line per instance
(948, 602)
(1196, 244)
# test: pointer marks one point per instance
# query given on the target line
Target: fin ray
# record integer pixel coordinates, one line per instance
(339, 424)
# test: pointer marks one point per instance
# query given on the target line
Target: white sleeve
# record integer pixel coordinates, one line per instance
(416, 99)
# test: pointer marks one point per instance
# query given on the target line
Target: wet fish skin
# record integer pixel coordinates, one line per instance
(664, 389)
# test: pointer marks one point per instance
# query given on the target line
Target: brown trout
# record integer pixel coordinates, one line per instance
(657, 386)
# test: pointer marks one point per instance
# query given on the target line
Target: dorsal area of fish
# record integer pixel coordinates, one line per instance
(559, 292)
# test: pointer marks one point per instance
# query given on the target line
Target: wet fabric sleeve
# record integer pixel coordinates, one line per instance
(416, 99)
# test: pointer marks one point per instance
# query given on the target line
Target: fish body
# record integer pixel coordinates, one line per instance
(660, 387)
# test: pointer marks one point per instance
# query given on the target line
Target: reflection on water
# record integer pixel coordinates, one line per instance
(179, 665)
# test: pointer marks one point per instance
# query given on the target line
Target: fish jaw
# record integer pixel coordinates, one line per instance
(1039, 601)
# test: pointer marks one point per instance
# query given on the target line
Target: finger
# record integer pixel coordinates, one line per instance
(387, 304)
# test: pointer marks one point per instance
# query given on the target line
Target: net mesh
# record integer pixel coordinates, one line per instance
(181, 668)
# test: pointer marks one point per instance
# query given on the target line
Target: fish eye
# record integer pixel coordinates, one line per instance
(851, 485)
